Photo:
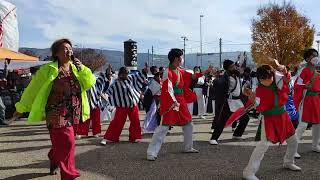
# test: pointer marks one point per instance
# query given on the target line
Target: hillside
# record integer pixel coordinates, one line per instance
(116, 58)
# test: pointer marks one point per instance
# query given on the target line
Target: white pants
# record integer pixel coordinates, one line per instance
(190, 108)
(161, 132)
(200, 100)
(315, 132)
(262, 146)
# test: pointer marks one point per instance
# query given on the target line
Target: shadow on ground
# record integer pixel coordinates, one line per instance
(128, 161)
(27, 176)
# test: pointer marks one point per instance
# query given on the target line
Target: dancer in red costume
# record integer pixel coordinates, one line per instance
(175, 95)
(276, 127)
(306, 98)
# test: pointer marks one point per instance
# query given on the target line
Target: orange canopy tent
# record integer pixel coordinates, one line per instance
(12, 55)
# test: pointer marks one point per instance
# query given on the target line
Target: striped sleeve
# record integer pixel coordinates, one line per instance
(123, 94)
(138, 79)
(111, 93)
(100, 82)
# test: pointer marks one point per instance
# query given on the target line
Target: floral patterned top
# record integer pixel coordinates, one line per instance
(64, 102)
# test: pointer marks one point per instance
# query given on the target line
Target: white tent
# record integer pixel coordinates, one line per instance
(23, 65)
(9, 32)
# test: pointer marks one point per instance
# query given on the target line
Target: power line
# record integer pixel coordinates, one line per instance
(239, 44)
(210, 42)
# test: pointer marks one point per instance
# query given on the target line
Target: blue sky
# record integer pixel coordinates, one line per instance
(107, 23)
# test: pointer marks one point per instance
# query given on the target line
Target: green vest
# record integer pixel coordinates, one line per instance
(276, 110)
(35, 96)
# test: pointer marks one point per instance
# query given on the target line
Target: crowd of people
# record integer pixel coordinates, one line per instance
(71, 99)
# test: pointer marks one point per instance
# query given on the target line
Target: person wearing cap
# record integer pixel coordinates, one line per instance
(175, 95)
(227, 101)
(306, 98)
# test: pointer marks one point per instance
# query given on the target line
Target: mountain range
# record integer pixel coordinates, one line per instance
(115, 58)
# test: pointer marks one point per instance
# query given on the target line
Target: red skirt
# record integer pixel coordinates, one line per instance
(311, 110)
(61, 153)
(278, 128)
(178, 118)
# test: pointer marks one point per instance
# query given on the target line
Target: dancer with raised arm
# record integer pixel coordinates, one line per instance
(307, 99)
(270, 97)
(175, 95)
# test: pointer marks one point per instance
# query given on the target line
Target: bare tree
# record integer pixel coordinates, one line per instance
(90, 58)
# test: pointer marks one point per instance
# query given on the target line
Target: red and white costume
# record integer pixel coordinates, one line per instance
(175, 88)
(276, 125)
(306, 98)
(270, 103)
(309, 99)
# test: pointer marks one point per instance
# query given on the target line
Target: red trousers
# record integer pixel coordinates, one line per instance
(116, 125)
(62, 152)
(83, 127)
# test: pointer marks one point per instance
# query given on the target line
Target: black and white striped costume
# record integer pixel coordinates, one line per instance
(94, 93)
(127, 93)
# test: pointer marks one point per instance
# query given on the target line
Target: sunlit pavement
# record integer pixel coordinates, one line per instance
(23, 155)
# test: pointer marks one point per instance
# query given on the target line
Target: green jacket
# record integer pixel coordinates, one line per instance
(34, 98)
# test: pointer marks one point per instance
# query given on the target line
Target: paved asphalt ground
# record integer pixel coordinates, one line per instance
(23, 155)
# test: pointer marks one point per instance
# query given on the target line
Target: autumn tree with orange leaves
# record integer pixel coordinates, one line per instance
(280, 32)
(91, 58)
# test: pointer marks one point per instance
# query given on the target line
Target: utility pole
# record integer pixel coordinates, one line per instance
(152, 55)
(220, 51)
(201, 16)
(148, 57)
(184, 49)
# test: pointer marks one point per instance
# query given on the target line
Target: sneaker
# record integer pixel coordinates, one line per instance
(316, 149)
(297, 156)
(237, 138)
(202, 117)
(151, 158)
(233, 129)
(105, 141)
(211, 131)
(78, 137)
(192, 150)
(213, 142)
(292, 167)
(136, 141)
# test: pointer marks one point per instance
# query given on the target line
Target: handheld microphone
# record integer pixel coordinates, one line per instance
(72, 59)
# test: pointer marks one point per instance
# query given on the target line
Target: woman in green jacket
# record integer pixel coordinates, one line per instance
(57, 94)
